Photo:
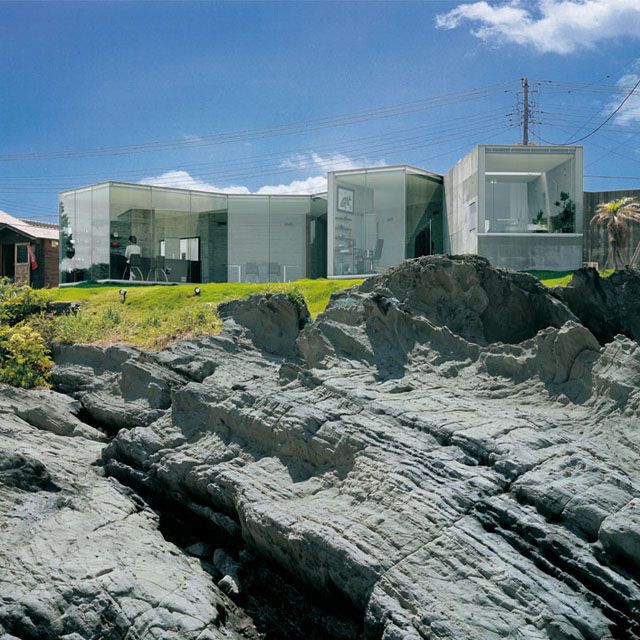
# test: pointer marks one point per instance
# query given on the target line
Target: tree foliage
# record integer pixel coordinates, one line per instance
(615, 217)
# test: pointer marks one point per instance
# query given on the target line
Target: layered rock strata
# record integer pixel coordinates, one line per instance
(448, 451)
(81, 556)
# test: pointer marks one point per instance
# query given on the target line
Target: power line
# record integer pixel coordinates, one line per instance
(614, 177)
(488, 130)
(273, 131)
(613, 113)
(282, 156)
(393, 146)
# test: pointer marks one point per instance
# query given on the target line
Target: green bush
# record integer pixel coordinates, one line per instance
(18, 302)
(24, 357)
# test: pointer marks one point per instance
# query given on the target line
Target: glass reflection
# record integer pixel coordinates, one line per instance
(126, 232)
(529, 193)
(382, 216)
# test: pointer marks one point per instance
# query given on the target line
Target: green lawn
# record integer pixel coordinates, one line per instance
(154, 316)
(553, 278)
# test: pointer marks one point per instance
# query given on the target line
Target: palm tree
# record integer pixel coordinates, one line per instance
(615, 217)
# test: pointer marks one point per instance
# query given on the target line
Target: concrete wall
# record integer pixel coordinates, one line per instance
(596, 246)
(544, 251)
(461, 206)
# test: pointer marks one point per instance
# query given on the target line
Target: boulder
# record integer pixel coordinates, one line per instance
(449, 451)
(606, 306)
(271, 321)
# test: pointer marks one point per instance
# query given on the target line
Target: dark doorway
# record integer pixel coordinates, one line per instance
(8, 260)
(422, 245)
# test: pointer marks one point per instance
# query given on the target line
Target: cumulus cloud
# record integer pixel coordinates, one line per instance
(184, 180)
(303, 162)
(550, 26)
(313, 184)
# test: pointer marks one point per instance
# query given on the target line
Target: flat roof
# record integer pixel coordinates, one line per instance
(319, 194)
(391, 167)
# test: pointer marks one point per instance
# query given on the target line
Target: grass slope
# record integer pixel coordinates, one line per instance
(154, 316)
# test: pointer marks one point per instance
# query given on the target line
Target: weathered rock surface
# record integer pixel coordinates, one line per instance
(606, 306)
(448, 451)
(81, 556)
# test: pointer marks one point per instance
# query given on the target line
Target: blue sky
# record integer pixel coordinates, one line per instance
(248, 96)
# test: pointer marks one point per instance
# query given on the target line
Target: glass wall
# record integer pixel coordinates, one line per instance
(84, 233)
(368, 221)
(530, 191)
(122, 231)
(425, 212)
(382, 216)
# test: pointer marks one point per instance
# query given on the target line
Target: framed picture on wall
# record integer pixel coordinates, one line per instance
(345, 200)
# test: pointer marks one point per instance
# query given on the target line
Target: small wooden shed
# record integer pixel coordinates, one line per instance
(29, 251)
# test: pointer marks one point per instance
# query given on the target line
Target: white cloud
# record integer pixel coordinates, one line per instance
(630, 112)
(312, 184)
(335, 162)
(550, 26)
(184, 180)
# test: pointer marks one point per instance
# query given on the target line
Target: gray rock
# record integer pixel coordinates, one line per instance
(455, 456)
(118, 387)
(271, 321)
(606, 306)
(447, 452)
(230, 570)
(80, 555)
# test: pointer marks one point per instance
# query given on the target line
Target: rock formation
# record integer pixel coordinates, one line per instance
(447, 452)
(606, 306)
(81, 555)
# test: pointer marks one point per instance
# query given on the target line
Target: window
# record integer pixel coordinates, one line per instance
(22, 254)
(190, 249)
(530, 192)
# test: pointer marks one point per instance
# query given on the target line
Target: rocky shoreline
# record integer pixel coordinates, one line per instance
(449, 451)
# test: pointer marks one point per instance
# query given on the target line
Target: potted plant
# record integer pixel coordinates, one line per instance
(563, 222)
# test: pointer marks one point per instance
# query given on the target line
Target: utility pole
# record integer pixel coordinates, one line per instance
(525, 112)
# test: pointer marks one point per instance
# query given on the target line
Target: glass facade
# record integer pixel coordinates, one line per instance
(381, 216)
(122, 231)
(370, 219)
(532, 190)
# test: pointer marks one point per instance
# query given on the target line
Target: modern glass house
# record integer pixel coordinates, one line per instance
(520, 207)
(380, 216)
(121, 231)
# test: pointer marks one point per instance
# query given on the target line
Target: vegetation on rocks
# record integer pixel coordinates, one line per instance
(154, 316)
(149, 316)
(24, 356)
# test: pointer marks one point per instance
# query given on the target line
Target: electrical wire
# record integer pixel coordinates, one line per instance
(282, 156)
(613, 113)
(300, 127)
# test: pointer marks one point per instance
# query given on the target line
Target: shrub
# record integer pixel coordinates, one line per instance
(18, 302)
(24, 358)
(297, 297)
